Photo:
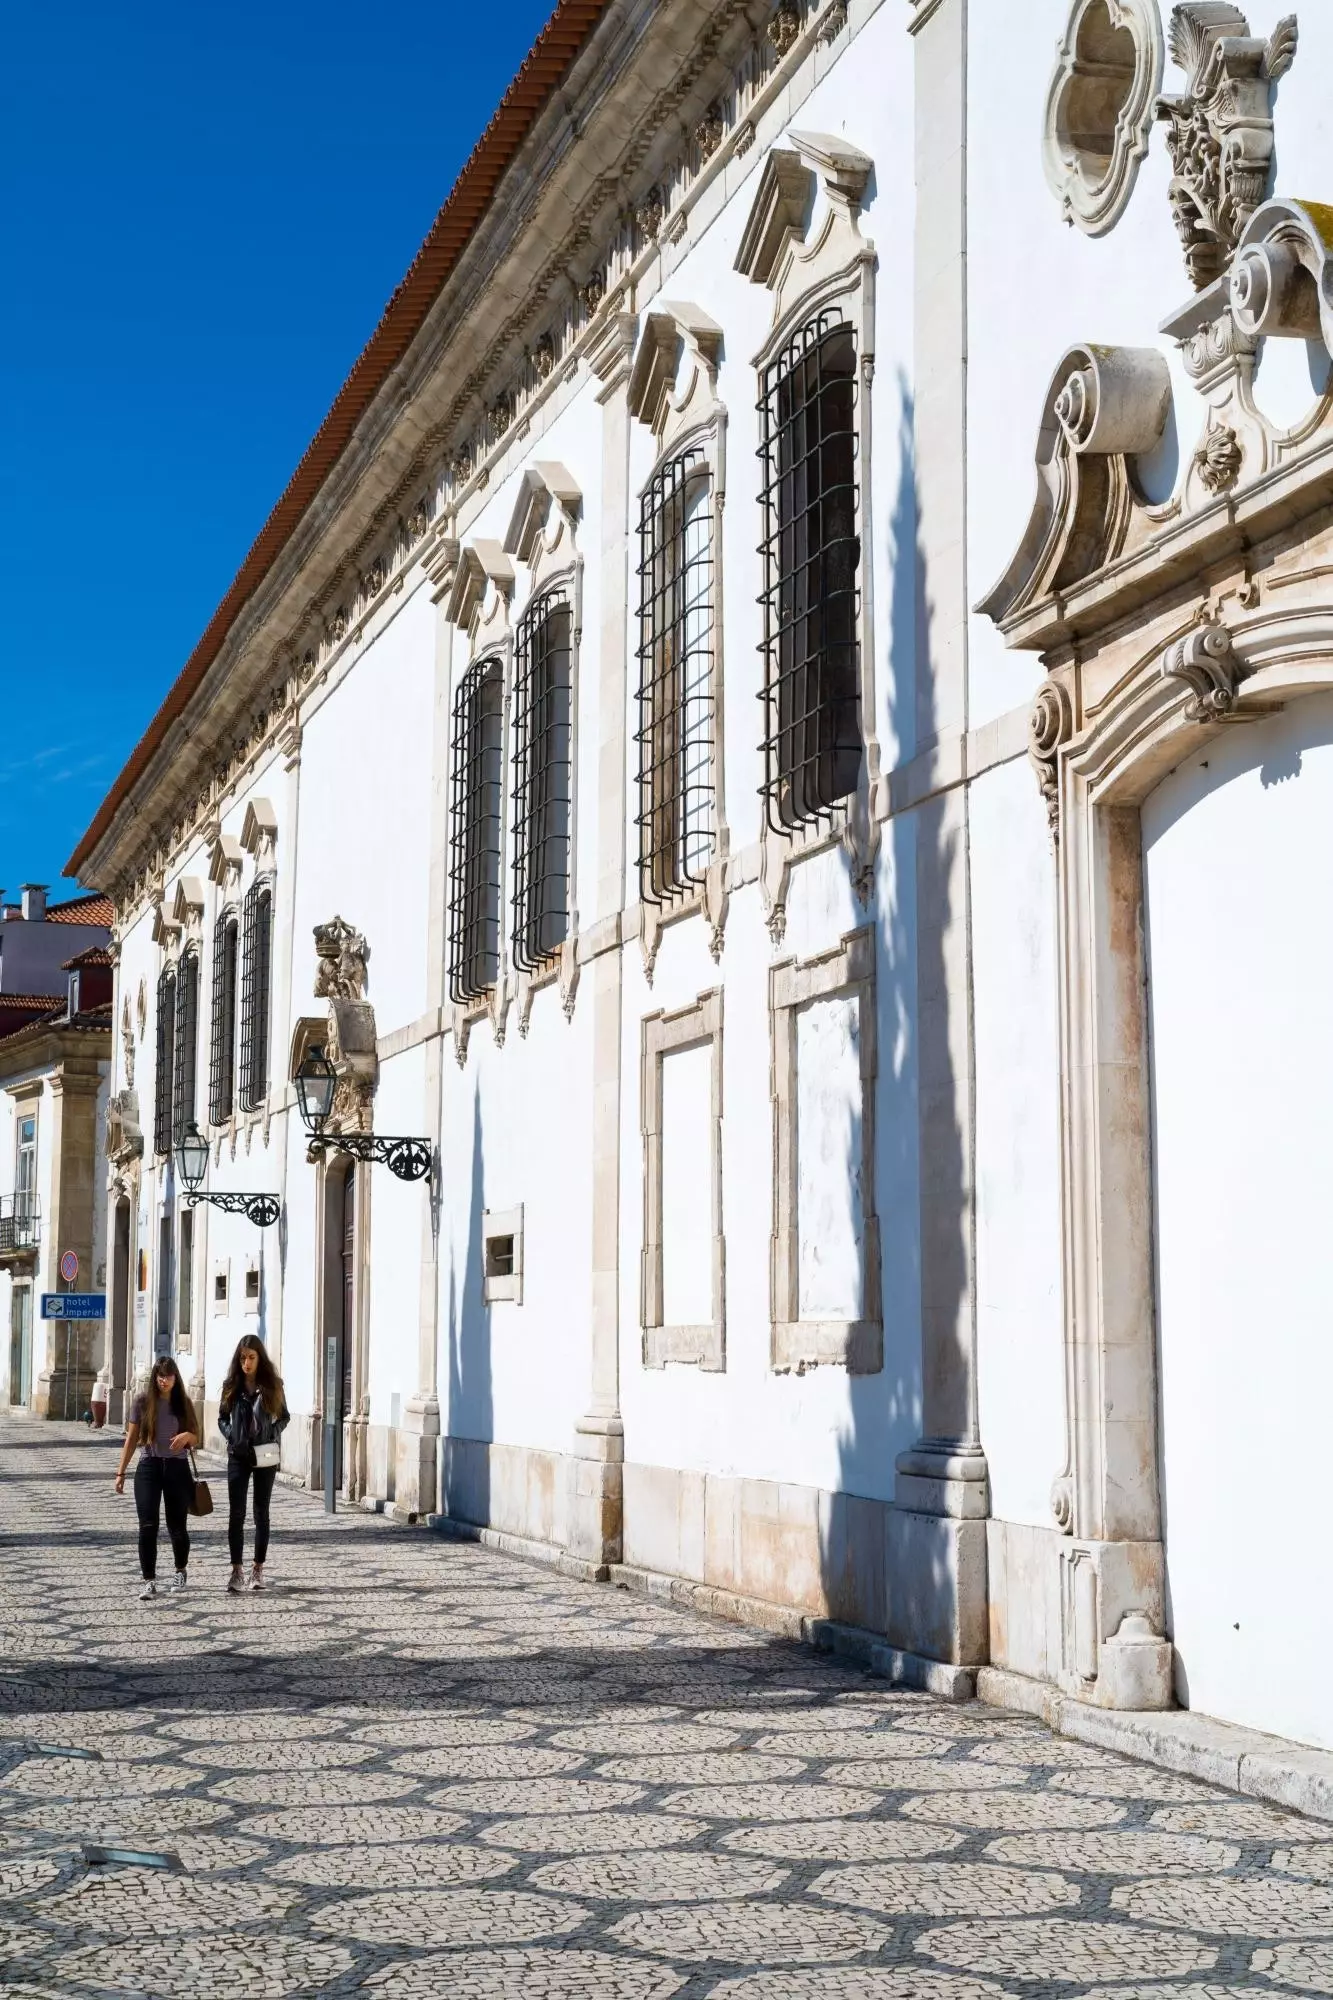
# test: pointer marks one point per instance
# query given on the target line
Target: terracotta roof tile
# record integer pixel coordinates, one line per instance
(543, 71)
(96, 954)
(91, 909)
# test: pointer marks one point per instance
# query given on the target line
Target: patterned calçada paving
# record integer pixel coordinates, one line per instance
(418, 1768)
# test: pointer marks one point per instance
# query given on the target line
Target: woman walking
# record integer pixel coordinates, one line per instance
(163, 1421)
(252, 1415)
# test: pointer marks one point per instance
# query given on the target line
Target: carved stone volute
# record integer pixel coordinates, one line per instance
(1207, 662)
(1050, 725)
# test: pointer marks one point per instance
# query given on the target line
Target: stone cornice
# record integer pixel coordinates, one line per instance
(452, 409)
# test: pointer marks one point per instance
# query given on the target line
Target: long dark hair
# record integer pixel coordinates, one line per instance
(267, 1379)
(181, 1406)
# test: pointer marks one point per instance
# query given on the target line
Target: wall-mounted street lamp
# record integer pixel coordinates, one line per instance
(192, 1159)
(316, 1082)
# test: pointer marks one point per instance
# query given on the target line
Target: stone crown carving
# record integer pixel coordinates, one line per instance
(342, 952)
(1099, 109)
(1220, 128)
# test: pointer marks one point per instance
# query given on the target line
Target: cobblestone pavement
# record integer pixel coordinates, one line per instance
(419, 1768)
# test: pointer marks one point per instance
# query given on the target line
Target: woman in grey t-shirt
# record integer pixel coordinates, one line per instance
(164, 1423)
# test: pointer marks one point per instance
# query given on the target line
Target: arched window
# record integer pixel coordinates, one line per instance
(542, 780)
(476, 844)
(811, 553)
(677, 794)
(222, 1027)
(166, 1060)
(185, 1068)
(256, 968)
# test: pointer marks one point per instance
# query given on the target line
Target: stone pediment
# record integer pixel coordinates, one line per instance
(485, 576)
(549, 498)
(673, 384)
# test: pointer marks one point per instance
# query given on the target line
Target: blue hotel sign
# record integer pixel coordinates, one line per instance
(73, 1305)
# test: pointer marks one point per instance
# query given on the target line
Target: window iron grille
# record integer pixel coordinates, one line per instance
(256, 956)
(187, 1044)
(222, 1026)
(476, 832)
(810, 555)
(676, 734)
(166, 1061)
(542, 780)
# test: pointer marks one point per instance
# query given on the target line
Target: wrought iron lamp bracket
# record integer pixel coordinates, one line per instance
(261, 1209)
(408, 1159)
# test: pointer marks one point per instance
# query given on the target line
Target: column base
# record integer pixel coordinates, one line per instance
(595, 1512)
(1112, 1613)
(416, 1458)
(935, 1587)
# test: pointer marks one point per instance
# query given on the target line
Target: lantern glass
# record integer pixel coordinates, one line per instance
(192, 1156)
(316, 1082)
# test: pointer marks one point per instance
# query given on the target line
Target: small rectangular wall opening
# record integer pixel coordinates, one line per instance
(502, 1255)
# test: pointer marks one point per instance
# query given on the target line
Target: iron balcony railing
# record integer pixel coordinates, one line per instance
(20, 1223)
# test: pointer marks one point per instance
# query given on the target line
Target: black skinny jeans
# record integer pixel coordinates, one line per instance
(159, 1481)
(239, 1474)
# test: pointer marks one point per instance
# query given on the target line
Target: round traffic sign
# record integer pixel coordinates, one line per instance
(69, 1266)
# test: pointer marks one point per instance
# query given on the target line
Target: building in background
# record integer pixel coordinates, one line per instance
(866, 1020)
(55, 1062)
(37, 938)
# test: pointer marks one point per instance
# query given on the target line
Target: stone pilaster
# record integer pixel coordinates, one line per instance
(597, 1467)
(937, 1533)
(64, 1383)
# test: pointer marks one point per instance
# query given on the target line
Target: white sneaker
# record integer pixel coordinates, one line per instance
(257, 1577)
(235, 1583)
(179, 1580)
(149, 1590)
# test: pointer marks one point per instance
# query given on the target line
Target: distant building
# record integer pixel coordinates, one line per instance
(55, 1061)
(37, 938)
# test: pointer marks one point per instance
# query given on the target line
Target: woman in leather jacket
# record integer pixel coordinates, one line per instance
(252, 1416)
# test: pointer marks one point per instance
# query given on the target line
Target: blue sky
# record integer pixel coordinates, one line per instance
(206, 209)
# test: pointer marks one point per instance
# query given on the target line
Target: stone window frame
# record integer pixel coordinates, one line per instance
(1096, 205)
(673, 394)
(698, 1025)
(793, 985)
(497, 1289)
(480, 593)
(813, 270)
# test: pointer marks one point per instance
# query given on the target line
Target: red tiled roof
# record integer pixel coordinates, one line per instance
(91, 909)
(96, 954)
(21, 1010)
(543, 70)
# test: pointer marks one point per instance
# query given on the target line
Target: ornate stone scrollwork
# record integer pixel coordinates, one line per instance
(1105, 405)
(783, 27)
(340, 978)
(124, 1134)
(1207, 662)
(1050, 725)
(1220, 129)
(1099, 109)
(1219, 459)
(1281, 281)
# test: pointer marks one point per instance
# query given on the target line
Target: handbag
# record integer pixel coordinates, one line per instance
(201, 1497)
(267, 1455)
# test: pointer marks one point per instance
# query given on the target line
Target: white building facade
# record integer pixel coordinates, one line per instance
(863, 1017)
